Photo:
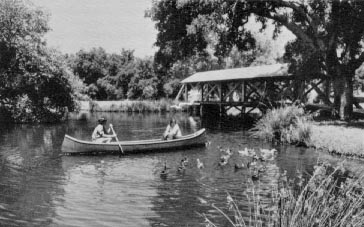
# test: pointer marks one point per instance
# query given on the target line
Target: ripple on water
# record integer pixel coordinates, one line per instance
(39, 188)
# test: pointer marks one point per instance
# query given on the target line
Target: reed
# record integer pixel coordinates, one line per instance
(325, 200)
(140, 106)
(287, 124)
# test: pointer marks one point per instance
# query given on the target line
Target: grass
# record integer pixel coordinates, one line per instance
(291, 125)
(285, 124)
(144, 106)
(327, 199)
(339, 140)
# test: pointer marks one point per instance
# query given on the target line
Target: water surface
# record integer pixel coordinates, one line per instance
(40, 187)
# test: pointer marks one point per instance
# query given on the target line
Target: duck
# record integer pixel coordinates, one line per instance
(267, 151)
(164, 172)
(182, 165)
(267, 157)
(255, 175)
(223, 160)
(251, 164)
(184, 161)
(181, 168)
(237, 166)
(247, 152)
(199, 164)
(262, 168)
(229, 152)
(244, 152)
(283, 176)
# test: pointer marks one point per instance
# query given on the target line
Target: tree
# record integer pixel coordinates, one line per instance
(144, 82)
(328, 34)
(34, 84)
(106, 75)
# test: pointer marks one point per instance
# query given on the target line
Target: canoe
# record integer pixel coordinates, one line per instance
(72, 145)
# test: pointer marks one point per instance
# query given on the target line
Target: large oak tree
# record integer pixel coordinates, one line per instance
(329, 35)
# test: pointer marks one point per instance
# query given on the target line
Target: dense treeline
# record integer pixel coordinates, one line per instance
(123, 76)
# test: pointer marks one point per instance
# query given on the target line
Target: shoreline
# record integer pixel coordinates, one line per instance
(162, 105)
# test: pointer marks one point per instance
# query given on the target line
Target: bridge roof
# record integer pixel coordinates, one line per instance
(264, 71)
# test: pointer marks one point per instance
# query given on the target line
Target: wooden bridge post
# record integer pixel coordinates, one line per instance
(186, 93)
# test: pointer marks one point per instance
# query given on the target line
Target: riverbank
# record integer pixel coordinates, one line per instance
(292, 125)
(338, 137)
(142, 106)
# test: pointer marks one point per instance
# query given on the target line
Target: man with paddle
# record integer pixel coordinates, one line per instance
(100, 134)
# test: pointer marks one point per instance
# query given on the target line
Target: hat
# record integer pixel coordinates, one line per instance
(102, 120)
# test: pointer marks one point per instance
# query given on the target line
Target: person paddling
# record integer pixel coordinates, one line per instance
(100, 134)
(172, 131)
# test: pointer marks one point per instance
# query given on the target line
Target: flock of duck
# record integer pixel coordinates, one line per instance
(254, 162)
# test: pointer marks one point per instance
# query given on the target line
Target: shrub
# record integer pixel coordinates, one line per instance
(286, 124)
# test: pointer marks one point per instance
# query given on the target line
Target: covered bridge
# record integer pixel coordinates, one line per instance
(249, 89)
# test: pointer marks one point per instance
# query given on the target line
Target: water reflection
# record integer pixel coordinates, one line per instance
(39, 187)
(30, 174)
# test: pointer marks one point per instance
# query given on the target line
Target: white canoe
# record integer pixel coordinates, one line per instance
(72, 145)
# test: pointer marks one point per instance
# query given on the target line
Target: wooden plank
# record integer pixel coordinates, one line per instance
(211, 90)
(231, 90)
(180, 92)
(309, 90)
(243, 91)
(318, 90)
(186, 93)
(202, 91)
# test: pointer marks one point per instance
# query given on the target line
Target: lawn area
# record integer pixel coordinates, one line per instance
(338, 137)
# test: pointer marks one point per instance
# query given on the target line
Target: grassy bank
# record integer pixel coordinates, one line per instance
(291, 125)
(338, 139)
(162, 105)
(142, 106)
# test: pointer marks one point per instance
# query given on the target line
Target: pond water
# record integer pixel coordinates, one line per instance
(40, 187)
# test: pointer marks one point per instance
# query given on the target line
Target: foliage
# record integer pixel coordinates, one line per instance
(34, 85)
(285, 124)
(329, 198)
(329, 35)
(115, 76)
(143, 106)
(144, 83)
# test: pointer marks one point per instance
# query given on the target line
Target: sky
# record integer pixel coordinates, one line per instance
(111, 24)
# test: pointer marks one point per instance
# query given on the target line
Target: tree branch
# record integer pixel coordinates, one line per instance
(292, 27)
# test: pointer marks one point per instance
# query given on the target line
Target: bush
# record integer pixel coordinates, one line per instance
(286, 124)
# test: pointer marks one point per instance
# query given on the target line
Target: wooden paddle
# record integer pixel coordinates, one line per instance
(117, 140)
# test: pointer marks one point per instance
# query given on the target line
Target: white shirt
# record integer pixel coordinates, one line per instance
(175, 131)
(98, 132)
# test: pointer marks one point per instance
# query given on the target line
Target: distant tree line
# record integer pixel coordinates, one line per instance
(114, 76)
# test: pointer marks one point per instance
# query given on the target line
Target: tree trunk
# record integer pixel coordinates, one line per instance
(343, 102)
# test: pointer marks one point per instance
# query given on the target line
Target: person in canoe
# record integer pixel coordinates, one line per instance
(100, 134)
(172, 131)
